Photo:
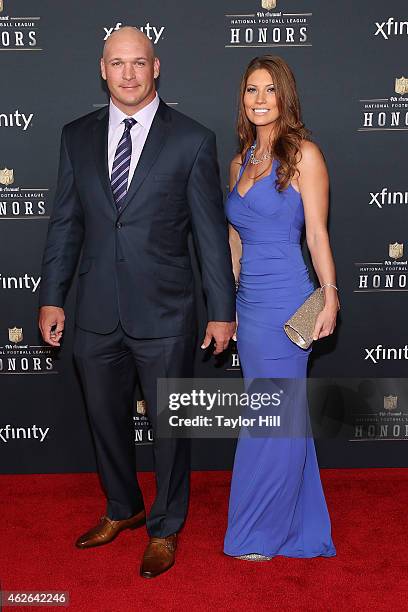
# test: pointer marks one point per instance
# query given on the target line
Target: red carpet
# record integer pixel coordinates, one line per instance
(43, 514)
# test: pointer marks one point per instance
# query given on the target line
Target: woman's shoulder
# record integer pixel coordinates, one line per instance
(309, 153)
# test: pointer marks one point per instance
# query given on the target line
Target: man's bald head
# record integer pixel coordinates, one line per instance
(128, 35)
(129, 67)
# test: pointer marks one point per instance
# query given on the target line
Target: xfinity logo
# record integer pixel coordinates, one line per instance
(380, 353)
(15, 433)
(391, 27)
(388, 197)
(20, 282)
(152, 32)
(16, 119)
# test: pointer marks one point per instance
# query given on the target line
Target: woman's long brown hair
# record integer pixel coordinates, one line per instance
(289, 128)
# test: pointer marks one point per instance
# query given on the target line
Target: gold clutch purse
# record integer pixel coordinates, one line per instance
(299, 328)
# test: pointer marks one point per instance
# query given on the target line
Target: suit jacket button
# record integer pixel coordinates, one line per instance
(118, 225)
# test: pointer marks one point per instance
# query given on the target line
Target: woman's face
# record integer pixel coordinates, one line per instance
(260, 102)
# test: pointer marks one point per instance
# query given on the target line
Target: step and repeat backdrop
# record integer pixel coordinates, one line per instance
(351, 64)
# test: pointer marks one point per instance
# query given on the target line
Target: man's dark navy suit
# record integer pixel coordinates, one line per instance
(135, 313)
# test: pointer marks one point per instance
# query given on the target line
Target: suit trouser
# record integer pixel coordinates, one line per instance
(109, 365)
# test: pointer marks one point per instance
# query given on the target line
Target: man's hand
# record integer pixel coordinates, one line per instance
(222, 332)
(51, 316)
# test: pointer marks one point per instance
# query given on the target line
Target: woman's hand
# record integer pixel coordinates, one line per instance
(326, 321)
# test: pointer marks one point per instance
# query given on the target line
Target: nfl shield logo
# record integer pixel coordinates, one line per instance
(6, 176)
(401, 86)
(268, 4)
(396, 250)
(390, 402)
(15, 334)
(141, 407)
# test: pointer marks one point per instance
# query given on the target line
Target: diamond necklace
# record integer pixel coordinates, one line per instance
(254, 160)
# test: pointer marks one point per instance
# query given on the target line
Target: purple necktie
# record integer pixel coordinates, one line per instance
(121, 164)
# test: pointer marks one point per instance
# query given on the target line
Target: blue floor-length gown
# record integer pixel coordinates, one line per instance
(277, 504)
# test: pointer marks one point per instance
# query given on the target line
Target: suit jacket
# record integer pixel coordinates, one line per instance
(135, 265)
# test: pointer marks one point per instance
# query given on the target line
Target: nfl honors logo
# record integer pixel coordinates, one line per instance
(387, 421)
(15, 334)
(401, 86)
(396, 250)
(386, 112)
(6, 176)
(390, 402)
(18, 32)
(390, 274)
(14, 203)
(19, 357)
(261, 26)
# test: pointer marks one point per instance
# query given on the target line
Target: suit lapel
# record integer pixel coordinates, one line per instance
(154, 143)
(100, 143)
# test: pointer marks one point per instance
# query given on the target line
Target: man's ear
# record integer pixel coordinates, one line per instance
(103, 71)
(156, 67)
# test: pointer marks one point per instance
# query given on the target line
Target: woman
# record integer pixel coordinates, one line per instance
(279, 184)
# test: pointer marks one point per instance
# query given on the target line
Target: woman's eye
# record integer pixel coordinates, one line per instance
(271, 90)
(251, 89)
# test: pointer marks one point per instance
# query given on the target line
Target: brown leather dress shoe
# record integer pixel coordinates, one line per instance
(159, 556)
(107, 530)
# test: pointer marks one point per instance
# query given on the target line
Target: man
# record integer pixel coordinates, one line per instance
(134, 180)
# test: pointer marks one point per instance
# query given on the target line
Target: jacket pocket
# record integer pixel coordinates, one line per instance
(175, 274)
(176, 177)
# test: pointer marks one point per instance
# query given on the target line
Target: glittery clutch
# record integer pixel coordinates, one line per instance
(299, 328)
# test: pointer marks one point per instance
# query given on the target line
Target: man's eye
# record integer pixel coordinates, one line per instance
(115, 63)
(141, 63)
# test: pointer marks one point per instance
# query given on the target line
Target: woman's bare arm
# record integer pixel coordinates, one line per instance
(313, 184)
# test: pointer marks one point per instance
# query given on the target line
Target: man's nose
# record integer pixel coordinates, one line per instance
(128, 72)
